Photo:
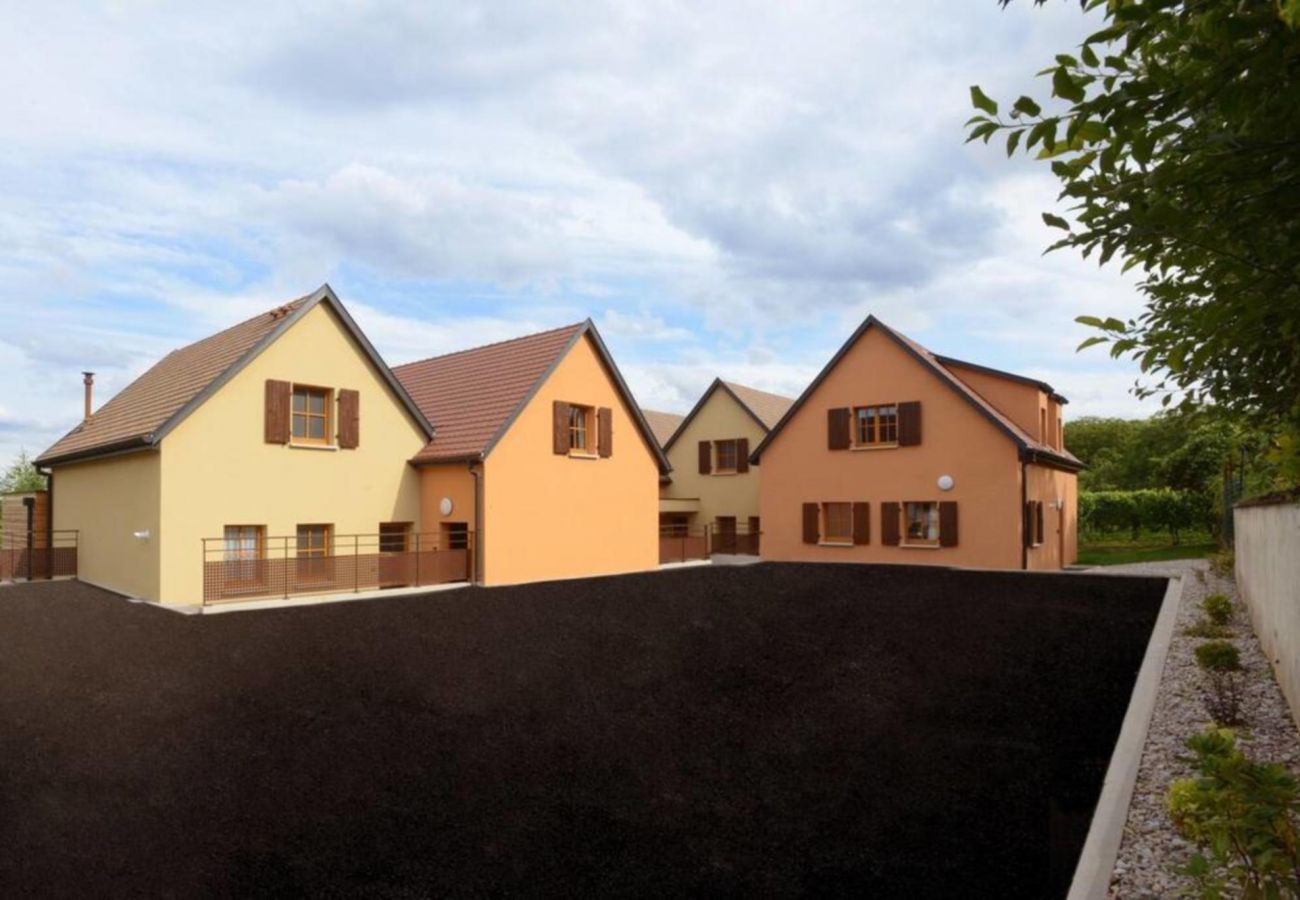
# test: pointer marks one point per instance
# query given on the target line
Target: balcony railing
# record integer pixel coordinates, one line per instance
(36, 555)
(680, 543)
(278, 568)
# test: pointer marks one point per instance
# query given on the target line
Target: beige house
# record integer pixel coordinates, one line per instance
(283, 457)
(894, 454)
(713, 487)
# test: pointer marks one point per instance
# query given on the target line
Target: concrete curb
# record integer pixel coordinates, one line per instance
(1101, 849)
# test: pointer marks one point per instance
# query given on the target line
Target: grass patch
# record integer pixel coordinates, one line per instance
(1114, 554)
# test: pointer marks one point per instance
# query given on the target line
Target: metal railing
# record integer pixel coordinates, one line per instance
(37, 555)
(681, 543)
(277, 567)
(740, 540)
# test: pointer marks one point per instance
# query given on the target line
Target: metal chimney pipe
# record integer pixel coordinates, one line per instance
(89, 381)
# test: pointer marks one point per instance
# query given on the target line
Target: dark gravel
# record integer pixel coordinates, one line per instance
(771, 729)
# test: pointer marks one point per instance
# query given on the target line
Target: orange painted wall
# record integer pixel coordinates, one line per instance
(549, 516)
(453, 481)
(1060, 545)
(956, 440)
(1019, 402)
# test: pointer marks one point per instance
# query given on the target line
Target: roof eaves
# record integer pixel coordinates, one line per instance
(116, 448)
(1000, 373)
(532, 392)
(690, 416)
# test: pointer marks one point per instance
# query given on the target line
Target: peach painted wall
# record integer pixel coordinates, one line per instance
(957, 440)
(549, 516)
(1019, 402)
(453, 481)
(1060, 545)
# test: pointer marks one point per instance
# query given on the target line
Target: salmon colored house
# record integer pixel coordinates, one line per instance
(283, 457)
(896, 455)
(713, 487)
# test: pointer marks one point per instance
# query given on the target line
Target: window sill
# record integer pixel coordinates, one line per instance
(857, 447)
(919, 546)
(575, 455)
(732, 472)
(835, 544)
(331, 448)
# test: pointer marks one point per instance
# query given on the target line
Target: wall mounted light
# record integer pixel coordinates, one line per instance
(446, 506)
(141, 535)
(945, 482)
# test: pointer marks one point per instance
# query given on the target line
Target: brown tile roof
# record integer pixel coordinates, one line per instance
(470, 394)
(766, 407)
(142, 412)
(663, 424)
(1030, 447)
(146, 404)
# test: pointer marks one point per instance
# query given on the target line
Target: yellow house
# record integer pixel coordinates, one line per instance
(275, 459)
(713, 488)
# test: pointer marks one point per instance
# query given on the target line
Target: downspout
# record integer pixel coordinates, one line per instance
(476, 469)
(1024, 518)
(49, 517)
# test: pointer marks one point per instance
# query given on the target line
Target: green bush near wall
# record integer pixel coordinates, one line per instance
(1152, 510)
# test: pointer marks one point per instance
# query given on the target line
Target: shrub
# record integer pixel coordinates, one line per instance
(1218, 656)
(1221, 695)
(1223, 563)
(1204, 628)
(1217, 608)
(1244, 815)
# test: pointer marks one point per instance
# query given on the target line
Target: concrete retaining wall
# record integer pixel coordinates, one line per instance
(1268, 577)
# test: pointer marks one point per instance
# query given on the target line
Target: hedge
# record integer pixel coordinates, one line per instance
(1151, 509)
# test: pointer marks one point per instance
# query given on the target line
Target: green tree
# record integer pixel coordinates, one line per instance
(1175, 134)
(22, 475)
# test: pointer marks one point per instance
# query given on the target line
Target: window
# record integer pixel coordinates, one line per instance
(1060, 434)
(313, 541)
(455, 535)
(579, 429)
(245, 545)
(394, 537)
(921, 523)
(837, 523)
(726, 454)
(1042, 425)
(674, 524)
(875, 425)
(311, 415)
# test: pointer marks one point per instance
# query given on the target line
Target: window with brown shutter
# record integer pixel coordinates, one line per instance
(706, 457)
(560, 428)
(724, 453)
(349, 419)
(1028, 530)
(276, 427)
(875, 426)
(1038, 521)
(921, 526)
(889, 516)
(862, 523)
(837, 523)
(311, 415)
(605, 432)
(811, 523)
(837, 429)
(909, 423)
(948, 523)
(742, 455)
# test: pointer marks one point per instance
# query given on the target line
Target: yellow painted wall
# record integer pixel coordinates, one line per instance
(721, 418)
(549, 516)
(957, 440)
(108, 501)
(1060, 545)
(217, 470)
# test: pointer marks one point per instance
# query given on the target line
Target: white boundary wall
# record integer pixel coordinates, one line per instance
(1268, 579)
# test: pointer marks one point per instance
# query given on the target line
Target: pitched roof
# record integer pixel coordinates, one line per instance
(473, 396)
(143, 412)
(663, 424)
(764, 408)
(1031, 449)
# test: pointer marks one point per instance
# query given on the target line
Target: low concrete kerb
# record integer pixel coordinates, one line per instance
(1101, 849)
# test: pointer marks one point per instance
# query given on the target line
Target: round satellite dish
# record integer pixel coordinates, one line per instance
(945, 482)
(446, 506)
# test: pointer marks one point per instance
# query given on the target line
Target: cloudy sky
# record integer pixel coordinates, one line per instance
(725, 188)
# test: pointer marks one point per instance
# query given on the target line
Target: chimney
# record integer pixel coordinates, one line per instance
(89, 382)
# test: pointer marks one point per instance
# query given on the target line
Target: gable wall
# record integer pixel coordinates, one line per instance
(956, 440)
(1019, 402)
(549, 516)
(217, 469)
(720, 418)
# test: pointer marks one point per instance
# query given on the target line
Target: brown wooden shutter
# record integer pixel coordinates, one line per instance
(811, 523)
(889, 513)
(1038, 521)
(605, 432)
(279, 398)
(948, 524)
(909, 423)
(1029, 523)
(742, 454)
(706, 457)
(349, 420)
(837, 429)
(560, 428)
(862, 523)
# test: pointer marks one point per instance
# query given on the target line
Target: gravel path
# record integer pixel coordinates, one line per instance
(1152, 852)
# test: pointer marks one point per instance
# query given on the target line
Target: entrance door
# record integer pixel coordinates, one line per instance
(395, 562)
(726, 537)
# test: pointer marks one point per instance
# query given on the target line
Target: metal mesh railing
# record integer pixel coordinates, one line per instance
(277, 567)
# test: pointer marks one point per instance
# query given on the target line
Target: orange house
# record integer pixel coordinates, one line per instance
(540, 451)
(896, 455)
